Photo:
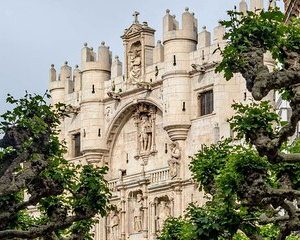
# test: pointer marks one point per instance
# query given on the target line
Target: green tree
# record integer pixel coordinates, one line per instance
(34, 174)
(253, 188)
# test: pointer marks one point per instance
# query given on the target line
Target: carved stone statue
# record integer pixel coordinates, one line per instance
(114, 224)
(135, 66)
(174, 162)
(144, 119)
(145, 134)
(138, 214)
(163, 213)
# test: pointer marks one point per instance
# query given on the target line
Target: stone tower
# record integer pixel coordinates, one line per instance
(145, 122)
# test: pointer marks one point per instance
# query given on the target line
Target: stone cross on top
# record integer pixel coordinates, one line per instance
(136, 15)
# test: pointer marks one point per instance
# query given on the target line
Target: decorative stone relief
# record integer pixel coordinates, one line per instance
(161, 209)
(135, 63)
(114, 225)
(136, 211)
(145, 134)
(163, 213)
(174, 161)
(145, 116)
(134, 29)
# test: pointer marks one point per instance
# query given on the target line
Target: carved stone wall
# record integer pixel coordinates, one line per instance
(144, 122)
(140, 143)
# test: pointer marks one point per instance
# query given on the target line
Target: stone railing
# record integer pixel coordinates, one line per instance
(155, 176)
(112, 185)
(159, 175)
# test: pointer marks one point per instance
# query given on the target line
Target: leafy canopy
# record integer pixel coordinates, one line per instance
(34, 173)
(251, 182)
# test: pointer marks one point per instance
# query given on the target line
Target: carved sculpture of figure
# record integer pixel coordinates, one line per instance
(174, 162)
(114, 224)
(145, 134)
(137, 213)
(135, 66)
(163, 214)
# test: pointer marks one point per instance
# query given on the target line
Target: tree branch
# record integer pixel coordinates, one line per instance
(43, 229)
(290, 158)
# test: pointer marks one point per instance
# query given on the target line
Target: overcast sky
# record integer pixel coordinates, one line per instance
(37, 33)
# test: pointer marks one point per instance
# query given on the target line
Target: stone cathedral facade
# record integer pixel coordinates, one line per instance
(144, 118)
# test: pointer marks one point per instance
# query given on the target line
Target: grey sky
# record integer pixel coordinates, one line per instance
(36, 33)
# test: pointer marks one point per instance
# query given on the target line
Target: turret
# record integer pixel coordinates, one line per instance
(272, 3)
(219, 33)
(256, 5)
(116, 68)
(56, 87)
(87, 54)
(158, 55)
(94, 72)
(169, 22)
(178, 44)
(104, 57)
(66, 77)
(52, 74)
(204, 38)
(243, 7)
(77, 79)
(188, 21)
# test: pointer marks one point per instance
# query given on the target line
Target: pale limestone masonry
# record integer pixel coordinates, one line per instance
(142, 118)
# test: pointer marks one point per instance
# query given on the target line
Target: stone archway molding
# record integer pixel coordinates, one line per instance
(122, 116)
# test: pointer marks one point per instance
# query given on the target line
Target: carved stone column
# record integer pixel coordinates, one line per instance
(152, 219)
(136, 122)
(98, 229)
(121, 187)
(172, 206)
(178, 201)
(106, 228)
(146, 212)
(155, 217)
(123, 220)
(153, 118)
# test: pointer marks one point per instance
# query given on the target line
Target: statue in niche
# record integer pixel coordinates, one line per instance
(174, 162)
(164, 212)
(144, 118)
(135, 64)
(138, 213)
(145, 134)
(114, 224)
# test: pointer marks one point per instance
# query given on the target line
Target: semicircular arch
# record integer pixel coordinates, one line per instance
(122, 116)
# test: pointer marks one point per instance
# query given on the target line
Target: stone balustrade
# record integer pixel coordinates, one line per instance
(159, 175)
(112, 185)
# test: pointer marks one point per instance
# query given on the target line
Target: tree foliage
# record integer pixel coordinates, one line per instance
(252, 184)
(34, 176)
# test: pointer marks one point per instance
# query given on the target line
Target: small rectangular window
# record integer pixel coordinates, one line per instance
(77, 143)
(206, 102)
